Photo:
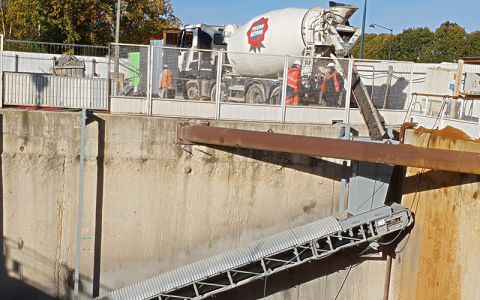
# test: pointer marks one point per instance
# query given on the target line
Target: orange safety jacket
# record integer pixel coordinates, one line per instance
(335, 82)
(166, 79)
(294, 80)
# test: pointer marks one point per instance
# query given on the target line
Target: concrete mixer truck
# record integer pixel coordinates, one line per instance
(305, 33)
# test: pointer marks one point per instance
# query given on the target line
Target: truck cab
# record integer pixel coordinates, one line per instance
(199, 37)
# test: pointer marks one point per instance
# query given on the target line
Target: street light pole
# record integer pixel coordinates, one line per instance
(391, 38)
(117, 38)
(363, 29)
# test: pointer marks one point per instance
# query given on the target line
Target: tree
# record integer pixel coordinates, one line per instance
(412, 44)
(368, 39)
(473, 44)
(85, 21)
(19, 18)
(378, 47)
(448, 45)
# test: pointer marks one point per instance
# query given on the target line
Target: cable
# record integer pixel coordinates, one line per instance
(416, 201)
(343, 283)
(393, 240)
(265, 287)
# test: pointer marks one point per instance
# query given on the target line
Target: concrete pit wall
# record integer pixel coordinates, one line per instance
(439, 258)
(151, 205)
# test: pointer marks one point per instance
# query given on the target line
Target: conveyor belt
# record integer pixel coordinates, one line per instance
(370, 114)
(267, 256)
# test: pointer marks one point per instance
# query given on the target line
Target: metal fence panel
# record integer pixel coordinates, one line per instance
(53, 91)
(250, 112)
(193, 109)
(388, 83)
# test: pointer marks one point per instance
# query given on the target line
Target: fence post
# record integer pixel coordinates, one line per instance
(284, 90)
(478, 125)
(152, 51)
(218, 86)
(149, 81)
(348, 95)
(410, 89)
(1, 70)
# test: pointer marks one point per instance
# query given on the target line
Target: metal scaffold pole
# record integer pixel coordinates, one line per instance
(83, 125)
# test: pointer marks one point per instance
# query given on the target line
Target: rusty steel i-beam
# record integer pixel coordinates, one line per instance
(400, 155)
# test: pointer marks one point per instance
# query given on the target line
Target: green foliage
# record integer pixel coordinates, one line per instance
(473, 44)
(376, 46)
(412, 44)
(447, 44)
(84, 21)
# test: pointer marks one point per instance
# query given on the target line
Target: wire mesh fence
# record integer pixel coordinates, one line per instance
(129, 68)
(184, 74)
(388, 83)
(252, 78)
(193, 75)
(322, 82)
(49, 58)
(55, 48)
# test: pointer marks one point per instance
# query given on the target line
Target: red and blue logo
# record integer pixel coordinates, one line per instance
(256, 34)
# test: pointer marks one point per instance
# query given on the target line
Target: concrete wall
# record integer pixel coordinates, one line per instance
(151, 205)
(439, 258)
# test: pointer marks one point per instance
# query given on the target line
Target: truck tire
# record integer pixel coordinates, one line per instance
(213, 93)
(192, 90)
(276, 96)
(255, 94)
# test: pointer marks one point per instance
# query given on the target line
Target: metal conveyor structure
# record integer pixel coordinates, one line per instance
(279, 252)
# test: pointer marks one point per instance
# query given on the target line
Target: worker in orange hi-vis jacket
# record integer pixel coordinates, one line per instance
(332, 86)
(166, 82)
(294, 84)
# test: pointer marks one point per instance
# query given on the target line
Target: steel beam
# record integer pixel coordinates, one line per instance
(400, 155)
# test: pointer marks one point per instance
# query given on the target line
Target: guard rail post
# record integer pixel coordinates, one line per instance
(348, 95)
(218, 85)
(284, 90)
(1, 70)
(149, 80)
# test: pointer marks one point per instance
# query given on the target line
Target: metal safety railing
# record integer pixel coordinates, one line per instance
(38, 74)
(211, 84)
(55, 48)
(238, 86)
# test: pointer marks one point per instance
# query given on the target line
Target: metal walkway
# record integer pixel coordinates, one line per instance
(270, 255)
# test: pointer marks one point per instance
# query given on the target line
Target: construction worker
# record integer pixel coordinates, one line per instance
(166, 82)
(332, 87)
(294, 84)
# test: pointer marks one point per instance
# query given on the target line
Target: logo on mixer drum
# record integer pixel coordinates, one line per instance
(256, 34)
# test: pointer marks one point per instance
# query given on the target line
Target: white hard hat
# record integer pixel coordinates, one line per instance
(165, 66)
(331, 65)
(297, 62)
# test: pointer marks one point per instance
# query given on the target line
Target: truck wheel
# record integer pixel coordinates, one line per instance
(223, 93)
(193, 91)
(276, 96)
(255, 94)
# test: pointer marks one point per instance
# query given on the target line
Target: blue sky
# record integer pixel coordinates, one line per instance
(396, 14)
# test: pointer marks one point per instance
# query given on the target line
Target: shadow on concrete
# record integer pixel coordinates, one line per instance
(397, 98)
(294, 277)
(41, 82)
(11, 288)
(99, 203)
(433, 180)
(302, 163)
